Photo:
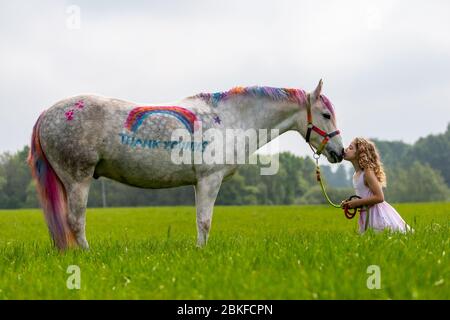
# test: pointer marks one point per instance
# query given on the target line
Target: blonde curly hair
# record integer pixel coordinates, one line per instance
(369, 158)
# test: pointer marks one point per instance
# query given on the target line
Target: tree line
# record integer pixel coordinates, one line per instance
(415, 172)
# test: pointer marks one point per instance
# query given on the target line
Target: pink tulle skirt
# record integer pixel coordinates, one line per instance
(382, 216)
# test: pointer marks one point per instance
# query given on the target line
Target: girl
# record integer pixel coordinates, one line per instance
(368, 180)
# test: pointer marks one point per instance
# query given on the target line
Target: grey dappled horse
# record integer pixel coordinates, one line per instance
(88, 136)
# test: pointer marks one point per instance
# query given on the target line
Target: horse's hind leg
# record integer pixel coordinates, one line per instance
(77, 196)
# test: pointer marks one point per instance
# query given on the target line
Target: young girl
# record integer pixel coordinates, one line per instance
(368, 180)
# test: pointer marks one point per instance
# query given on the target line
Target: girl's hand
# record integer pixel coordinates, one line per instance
(350, 204)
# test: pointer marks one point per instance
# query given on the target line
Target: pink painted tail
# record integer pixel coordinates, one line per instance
(52, 193)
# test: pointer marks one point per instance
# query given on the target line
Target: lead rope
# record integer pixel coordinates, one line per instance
(319, 179)
(348, 212)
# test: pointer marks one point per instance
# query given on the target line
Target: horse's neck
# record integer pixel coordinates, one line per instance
(263, 113)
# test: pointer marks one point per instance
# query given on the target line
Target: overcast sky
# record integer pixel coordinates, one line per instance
(385, 64)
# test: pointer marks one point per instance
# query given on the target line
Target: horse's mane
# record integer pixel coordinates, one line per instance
(327, 103)
(276, 94)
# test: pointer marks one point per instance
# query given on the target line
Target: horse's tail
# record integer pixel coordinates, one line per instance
(51, 191)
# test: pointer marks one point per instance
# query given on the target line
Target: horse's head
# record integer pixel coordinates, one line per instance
(318, 126)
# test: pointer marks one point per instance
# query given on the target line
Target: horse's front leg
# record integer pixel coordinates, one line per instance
(206, 191)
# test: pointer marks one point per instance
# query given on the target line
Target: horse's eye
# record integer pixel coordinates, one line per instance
(326, 115)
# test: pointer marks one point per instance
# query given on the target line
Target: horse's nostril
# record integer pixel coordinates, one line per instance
(336, 157)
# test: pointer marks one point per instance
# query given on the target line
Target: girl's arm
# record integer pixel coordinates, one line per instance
(375, 186)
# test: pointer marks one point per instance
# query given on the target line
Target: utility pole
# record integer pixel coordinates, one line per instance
(103, 193)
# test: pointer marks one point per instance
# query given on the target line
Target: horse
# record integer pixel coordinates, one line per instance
(85, 137)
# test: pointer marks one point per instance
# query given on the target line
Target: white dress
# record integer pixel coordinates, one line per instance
(381, 215)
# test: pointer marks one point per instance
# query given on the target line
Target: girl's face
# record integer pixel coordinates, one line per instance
(350, 152)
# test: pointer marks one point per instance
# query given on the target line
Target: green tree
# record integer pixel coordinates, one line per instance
(435, 151)
(31, 198)
(418, 172)
(418, 182)
(235, 192)
(337, 179)
(17, 175)
(315, 195)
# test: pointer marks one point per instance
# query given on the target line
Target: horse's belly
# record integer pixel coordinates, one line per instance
(146, 170)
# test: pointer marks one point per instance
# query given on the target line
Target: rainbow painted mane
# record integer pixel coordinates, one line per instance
(295, 95)
(276, 94)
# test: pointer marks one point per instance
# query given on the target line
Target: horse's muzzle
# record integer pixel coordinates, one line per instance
(337, 157)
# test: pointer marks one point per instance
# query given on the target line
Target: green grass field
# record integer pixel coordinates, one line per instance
(254, 252)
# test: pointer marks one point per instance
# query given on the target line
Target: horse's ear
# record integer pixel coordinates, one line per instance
(318, 90)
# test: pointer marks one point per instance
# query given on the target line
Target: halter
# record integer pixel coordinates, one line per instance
(311, 126)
